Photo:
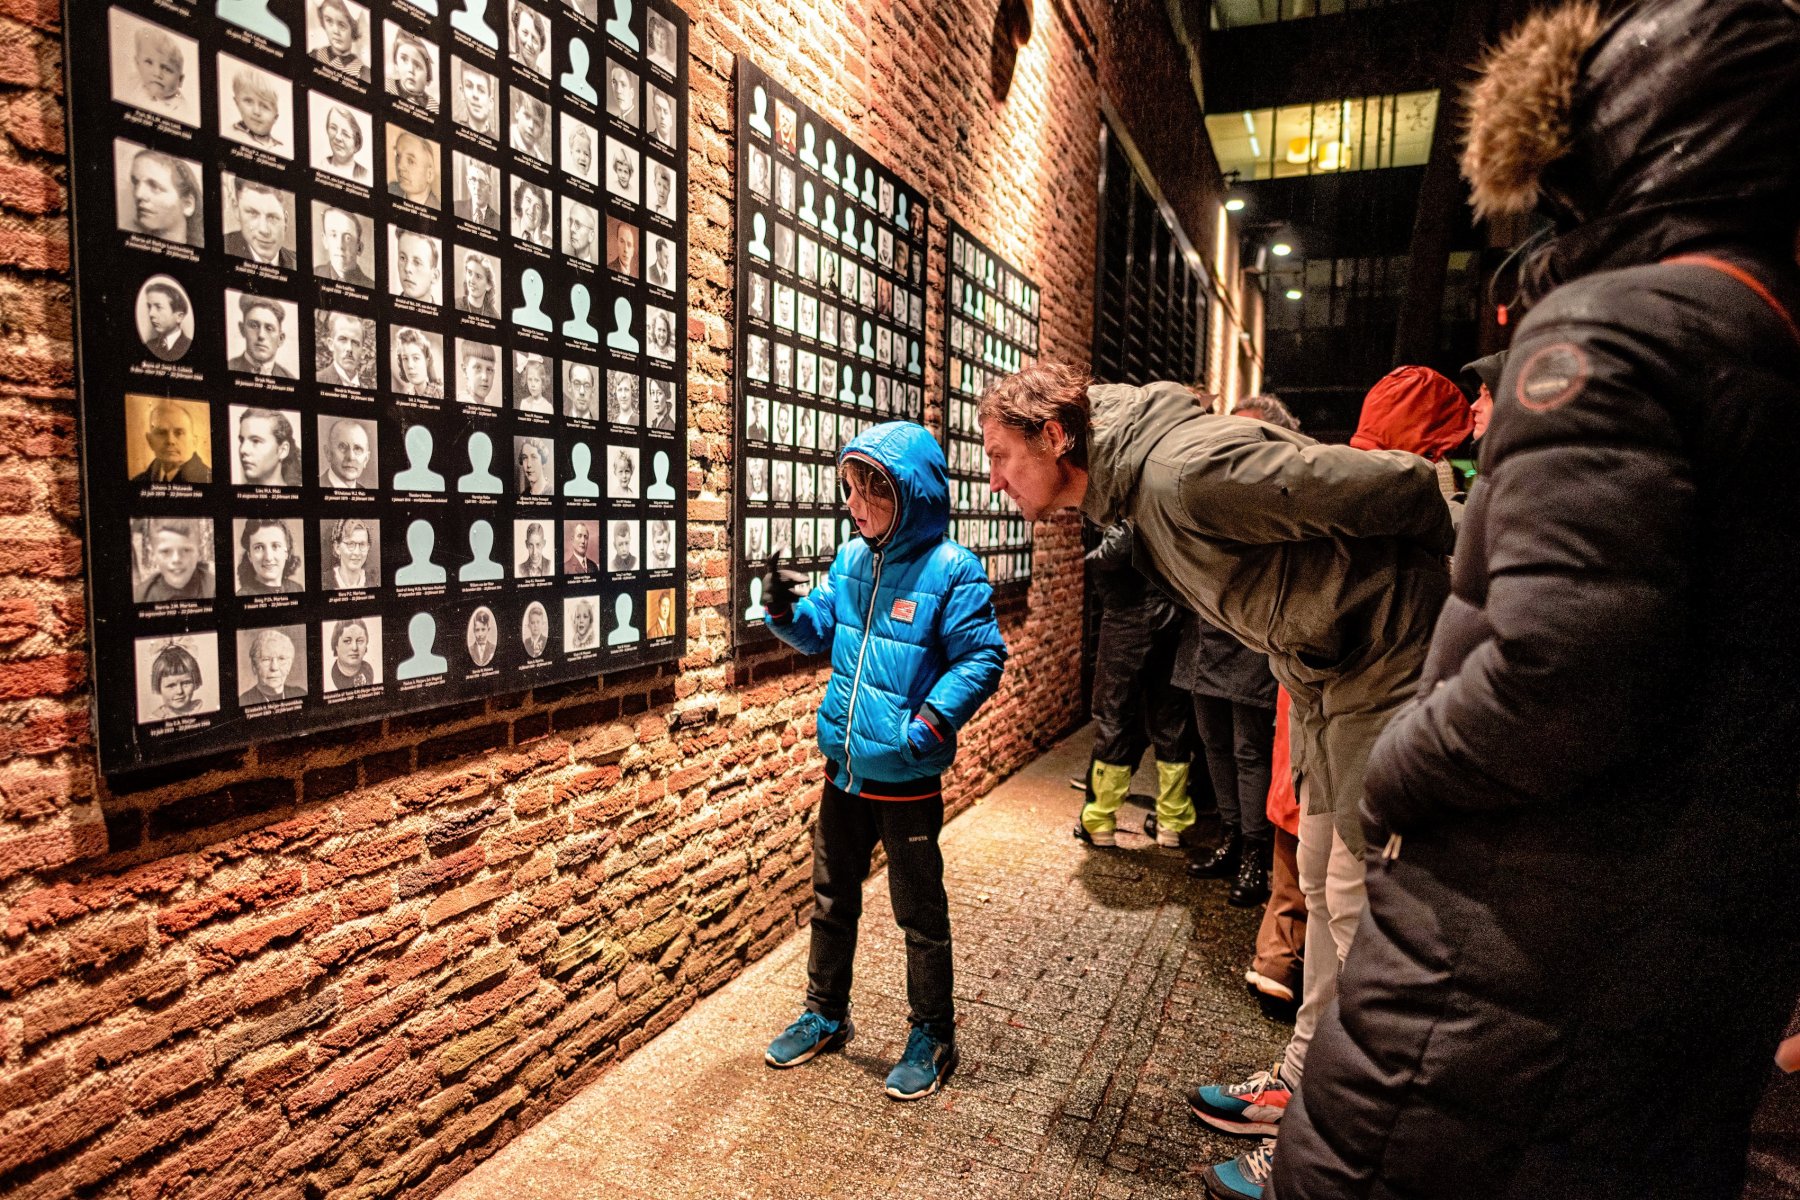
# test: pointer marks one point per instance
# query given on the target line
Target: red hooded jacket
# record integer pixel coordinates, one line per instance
(1416, 409)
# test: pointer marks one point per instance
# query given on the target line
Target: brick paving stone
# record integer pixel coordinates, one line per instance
(1092, 987)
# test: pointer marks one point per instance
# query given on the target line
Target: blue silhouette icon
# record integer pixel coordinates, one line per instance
(623, 631)
(900, 210)
(829, 170)
(480, 481)
(912, 364)
(255, 16)
(531, 314)
(867, 349)
(866, 400)
(620, 338)
(755, 612)
(620, 25)
(759, 245)
(578, 326)
(808, 137)
(869, 186)
(483, 566)
(418, 476)
(575, 79)
(759, 114)
(581, 460)
(421, 632)
(829, 228)
(659, 466)
(849, 179)
(421, 540)
(847, 394)
(471, 19)
(807, 192)
(868, 242)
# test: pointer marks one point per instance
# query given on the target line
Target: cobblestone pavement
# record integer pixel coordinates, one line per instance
(1091, 986)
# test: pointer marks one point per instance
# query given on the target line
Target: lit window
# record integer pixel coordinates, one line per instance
(1362, 134)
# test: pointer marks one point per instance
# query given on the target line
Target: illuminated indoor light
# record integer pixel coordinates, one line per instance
(1235, 204)
(1294, 293)
(1281, 249)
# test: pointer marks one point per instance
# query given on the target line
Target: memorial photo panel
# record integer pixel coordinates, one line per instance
(830, 325)
(405, 286)
(990, 331)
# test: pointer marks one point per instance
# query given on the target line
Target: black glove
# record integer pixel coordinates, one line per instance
(781, 588)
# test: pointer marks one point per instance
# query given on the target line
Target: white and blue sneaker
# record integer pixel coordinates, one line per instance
(1243, 1177)
(807, 1038)
(923, 1067)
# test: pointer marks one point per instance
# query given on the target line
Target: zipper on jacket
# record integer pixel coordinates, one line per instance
(856, 679)
(1390, 852)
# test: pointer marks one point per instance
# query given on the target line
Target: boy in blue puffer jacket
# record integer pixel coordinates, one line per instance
(908, 616)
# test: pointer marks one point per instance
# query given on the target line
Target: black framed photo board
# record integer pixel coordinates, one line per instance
(830, 325)
(380, 332)
(990, 331)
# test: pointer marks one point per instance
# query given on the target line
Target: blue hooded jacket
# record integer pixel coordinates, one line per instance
(909, 622)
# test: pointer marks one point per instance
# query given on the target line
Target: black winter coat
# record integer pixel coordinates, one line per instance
(1570, 979)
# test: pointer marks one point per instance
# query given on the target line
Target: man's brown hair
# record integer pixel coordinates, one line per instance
(1042, 393)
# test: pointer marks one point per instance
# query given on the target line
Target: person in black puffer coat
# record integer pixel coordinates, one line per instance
(1583, 928)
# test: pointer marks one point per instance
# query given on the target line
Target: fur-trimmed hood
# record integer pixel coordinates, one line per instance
(1672, 126)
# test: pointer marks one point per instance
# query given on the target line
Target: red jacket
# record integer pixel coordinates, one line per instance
(1416, 409)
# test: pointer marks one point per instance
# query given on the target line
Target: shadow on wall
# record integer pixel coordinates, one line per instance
(1012, 29)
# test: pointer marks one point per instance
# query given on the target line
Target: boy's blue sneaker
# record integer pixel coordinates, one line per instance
(810, 1036)
(923, 1067)
(1243, 1177)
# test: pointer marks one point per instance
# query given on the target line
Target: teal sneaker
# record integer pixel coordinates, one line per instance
(923, 1067)
(1243, 1177)
(807, 1038)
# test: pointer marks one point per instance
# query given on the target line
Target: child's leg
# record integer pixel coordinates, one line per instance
(909, 832)
(844, 836)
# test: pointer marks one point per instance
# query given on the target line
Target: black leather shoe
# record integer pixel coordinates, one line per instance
(1222, 861)
(1252, 886)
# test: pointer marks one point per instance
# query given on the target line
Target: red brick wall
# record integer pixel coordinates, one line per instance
(368, 958)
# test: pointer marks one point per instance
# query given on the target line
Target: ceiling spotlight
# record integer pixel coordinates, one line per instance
(1294, 293)
(1235, 204)
(1281, 249)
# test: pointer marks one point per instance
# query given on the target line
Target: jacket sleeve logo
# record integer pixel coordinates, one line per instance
(1552, 377)
(903, 610)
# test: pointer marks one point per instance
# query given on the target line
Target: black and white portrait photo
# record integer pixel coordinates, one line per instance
(172, 560)
(530, 124)
(348, 451)
(475, 193)
(580, 231)
(256, 107)
(622, 481)
(580, 149)
(271, 665)
(177, 676)
(343, 245)
(154, 68)
(344, 350)
(415, 265)
(159, 194)
(622, 164)
(621, 93)
(261, 337)
(474, 98)
(165, 318)
(660, 32)
(258, 221)
(265, 446)
(411, 71)
(337, 36)
(413, 168)
(167, 441)
(341, 138)
(352, 653)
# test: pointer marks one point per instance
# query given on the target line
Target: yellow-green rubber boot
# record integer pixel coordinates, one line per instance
(1174, 807)
(1109, 784)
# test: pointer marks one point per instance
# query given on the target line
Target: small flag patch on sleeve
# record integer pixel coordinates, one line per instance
(903, 610)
